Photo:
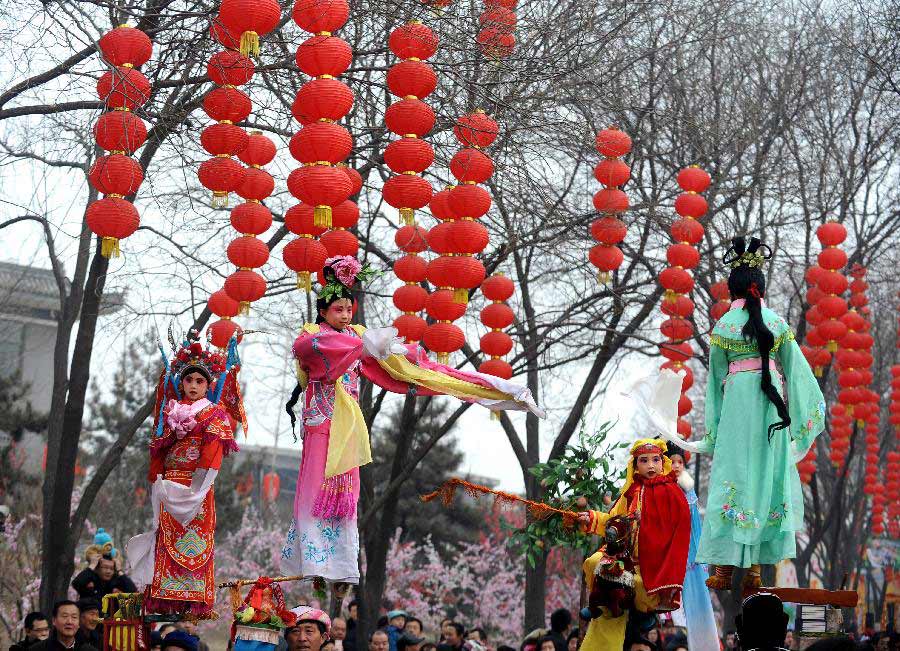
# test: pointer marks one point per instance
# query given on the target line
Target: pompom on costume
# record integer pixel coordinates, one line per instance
(661, 537)
(173, 562)
(322, 541)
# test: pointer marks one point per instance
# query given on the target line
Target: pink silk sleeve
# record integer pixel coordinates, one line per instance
(327, 355)
(416, 354)
(373, 372)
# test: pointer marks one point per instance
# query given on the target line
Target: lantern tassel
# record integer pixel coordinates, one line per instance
(250, 44)
(245, 308)
(832, 347)
(443, 358)
(109, 247)
(322, 216)
(818, 371)
(461, 295)
(219, 200)
(603, 278)
(408, 216)
(304, 281)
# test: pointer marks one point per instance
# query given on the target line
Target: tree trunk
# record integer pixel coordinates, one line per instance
(536, 594)
(378, 538)
(58, 545)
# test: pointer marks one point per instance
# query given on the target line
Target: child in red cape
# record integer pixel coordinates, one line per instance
(657, 505)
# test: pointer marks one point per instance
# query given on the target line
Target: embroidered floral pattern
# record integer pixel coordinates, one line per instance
(748, 519)
(288, 550)
(741, 346)
(330, 531)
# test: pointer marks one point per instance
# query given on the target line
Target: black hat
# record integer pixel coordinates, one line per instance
(88, 603)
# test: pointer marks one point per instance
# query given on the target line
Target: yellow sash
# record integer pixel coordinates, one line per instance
(348, 437)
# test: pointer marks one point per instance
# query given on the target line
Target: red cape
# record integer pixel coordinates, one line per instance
(664, 533)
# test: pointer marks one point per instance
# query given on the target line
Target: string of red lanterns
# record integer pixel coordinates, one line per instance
(719, 291)
(678, 282)
(610, 201)
(120, 132)
(496, 38)
(814, 350)
(411, 297)
(411, 80)
(497, 315)
(892, 471)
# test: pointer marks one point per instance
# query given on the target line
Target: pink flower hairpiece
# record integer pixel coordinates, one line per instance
(345, 268)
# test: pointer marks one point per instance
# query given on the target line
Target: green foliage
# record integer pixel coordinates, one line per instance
(583, 471)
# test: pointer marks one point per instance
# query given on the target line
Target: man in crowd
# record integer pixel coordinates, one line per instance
(349, 643)
(762, 623)
(338, 633)
(409, 642)
(191, 629)
(36, 627)
(414, 626)
(310, 631)
(97, 582)
(639, 644)
(453, 635)
(66, 621)
(378, 641)
(560, 621)
(180, 640)
(89, 621)
(478, 635)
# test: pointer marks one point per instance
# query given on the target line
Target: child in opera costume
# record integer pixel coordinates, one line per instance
(653, 575)
(198, 404)
(322, 541)
(756, 429)
(698, 610)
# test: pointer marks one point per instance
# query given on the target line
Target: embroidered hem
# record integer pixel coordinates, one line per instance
(740, 346)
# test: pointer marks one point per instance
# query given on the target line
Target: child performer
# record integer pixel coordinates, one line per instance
(655, 502)
(198, 404)
(322, 541)
(698, 611)
(755, 503)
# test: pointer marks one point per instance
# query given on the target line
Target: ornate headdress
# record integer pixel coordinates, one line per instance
(740, 253)
(648, 446)
(341, 273)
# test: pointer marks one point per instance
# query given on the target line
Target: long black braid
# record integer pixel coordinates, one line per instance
(749, 283)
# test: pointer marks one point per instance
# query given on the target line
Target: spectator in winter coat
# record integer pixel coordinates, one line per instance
(36, 627)
(66, 621)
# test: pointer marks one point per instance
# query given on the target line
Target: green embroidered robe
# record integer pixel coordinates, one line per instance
(755, 501)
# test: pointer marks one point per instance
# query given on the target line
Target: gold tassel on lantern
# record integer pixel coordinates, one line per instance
(109, 247)
(832, 347)
(322, 216)
(443, 358)
(603, 277)
(250, 44)
(461, 295)
(304, 281)
(408, 216)
(245, 308)
(219, 200)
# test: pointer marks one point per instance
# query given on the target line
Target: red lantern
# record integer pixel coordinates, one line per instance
(466, 237)
(469, 201)
(111, 219)
(441, 306)
(324, 55)
(497, 368)
(612, 172)
(222, 305)
(409, 117)
(411, 79)
(720, 291)
(443, 339)
(610, 201)
(682, 306)
(251, 19)
(607, 259)
(321, 186)
(476, 130)
(676, 281)
(220, 332)
(227, 104)
(300, 219)
(413, 41)
(832, 258)
(409, 155)
(321, 142)
(467, 273)
(271, 485)
(687, 230)
(221, 175)
(320, 15)
(223, 139)
(120, 131)
(410, 269)
(248, 252)
(831, 234)
(407, 193)
(257, 185)
(123, 87)
(340, 242)
(677, 329)
(116, 174)
(230, 68)
(693, 179)
(323, 98)
(305, 256)
(496, 344)
(410, 298)
(683, 255)
(497, 288)
(345, 215)
(497, 316)
(494, 43)
(245, 286)
(470, 166)
(411, 239)
(410, 327)
(612, 143)
(691, 205)
(126, 46)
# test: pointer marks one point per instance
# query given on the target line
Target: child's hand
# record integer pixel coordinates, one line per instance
(584, 517)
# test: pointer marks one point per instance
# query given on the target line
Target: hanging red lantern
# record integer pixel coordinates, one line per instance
(340, 242)
(300, 219)
(126, 46)
(227, 104)
(345, 215)
(441, 306)
(410, 268)
(831, 234)
(116, 174)
(245, 286)
(251, 19)
(305, 256)
(409, 116)
(251, 218)
(320, 15)
(467, 273)
(497, 316)
(322, 98)
(476, 130)
(610, 201)
(496, 344)
(223, 139)
(496, 367)
(324, 55)
(271, 485)
(222, 305)
(693, 179)
(612, 172)
(612, 143)
(220, 332)
(321, 186)
(411, 79)
(466, 237)
(407, 193)
(683, 255)
(470, 165)
(468, 200)
(230, 68)
(691, 205)
(410, 327)
(123, 88)
(607, 259)
(321, 142)
(112, 219)
(676, 281)
(497, 288)
(495, 43)
(222, 175)
(247, 252)
(410, 298)
(443, 339)
(687, 230)
(256, 186)
(409, 155)
(411, 239)
(413, 41)
(120, 131)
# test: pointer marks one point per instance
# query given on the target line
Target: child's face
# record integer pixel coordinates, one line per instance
(649, 465)
(194, 386)
(677, 464)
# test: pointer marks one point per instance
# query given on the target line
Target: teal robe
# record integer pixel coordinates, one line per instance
(755, 500)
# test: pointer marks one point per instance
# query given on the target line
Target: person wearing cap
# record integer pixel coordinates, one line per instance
(409, 642)
(179, 640)
(89, 622)
(310, 631)
(762, 623)
(394, 629)
(65, 622)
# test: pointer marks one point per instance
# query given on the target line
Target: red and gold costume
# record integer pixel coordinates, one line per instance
(660, 552)
(173, 563)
